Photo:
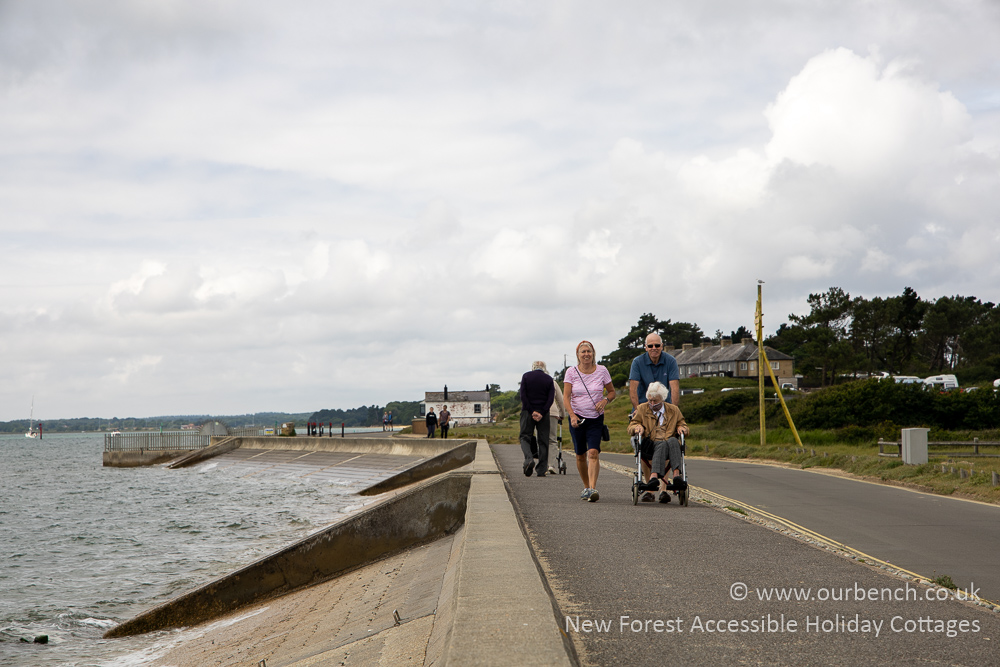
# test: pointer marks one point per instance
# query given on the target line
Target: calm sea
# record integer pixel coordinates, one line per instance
(84, 547)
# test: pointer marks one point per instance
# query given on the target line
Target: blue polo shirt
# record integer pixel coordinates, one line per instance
(646, 372)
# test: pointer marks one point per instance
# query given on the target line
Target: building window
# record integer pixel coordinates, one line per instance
(423, 410)
(774, 365)
(477, 408)
(753, 365)
(743, 365)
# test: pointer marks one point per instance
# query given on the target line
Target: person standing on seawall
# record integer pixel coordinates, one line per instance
(443, 418)
(587, 391)
(432, 422)
(385, 420)
(653, 366)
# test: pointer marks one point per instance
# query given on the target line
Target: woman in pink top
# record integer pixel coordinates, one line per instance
(587, 390)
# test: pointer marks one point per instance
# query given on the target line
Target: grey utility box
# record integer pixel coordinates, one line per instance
(914, 448)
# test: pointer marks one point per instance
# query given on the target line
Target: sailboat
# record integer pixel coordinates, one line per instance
(31, 422)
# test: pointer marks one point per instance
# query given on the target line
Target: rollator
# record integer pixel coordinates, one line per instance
(678, 485)
(560, 465)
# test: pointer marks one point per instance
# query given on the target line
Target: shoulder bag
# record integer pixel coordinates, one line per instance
(605, 433)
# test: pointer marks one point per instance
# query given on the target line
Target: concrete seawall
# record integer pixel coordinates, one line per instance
(429, 511)
(475, 597)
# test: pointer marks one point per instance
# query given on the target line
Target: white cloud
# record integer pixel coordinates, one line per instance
(328, 208)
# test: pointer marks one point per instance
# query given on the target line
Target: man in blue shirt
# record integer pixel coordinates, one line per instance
(653, 366)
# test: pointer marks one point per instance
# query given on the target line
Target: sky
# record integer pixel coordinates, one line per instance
(221, 207)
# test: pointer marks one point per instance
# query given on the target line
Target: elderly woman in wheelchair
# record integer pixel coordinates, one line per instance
(655, 427)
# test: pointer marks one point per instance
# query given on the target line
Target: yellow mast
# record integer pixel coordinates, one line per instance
(759, 324)
(762, 363)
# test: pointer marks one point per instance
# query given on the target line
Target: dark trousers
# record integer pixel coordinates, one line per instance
(430, 430)
(540, 430)
(444, 430)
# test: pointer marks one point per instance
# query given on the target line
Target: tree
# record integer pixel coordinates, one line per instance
(945, 324)
(740, 334)
(634, 342)
(826, 344)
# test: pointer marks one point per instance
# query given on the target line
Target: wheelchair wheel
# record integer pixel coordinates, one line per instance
(682, 498)
(562, 467)
(635, 493)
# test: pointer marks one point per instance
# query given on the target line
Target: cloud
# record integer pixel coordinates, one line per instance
(221, 208)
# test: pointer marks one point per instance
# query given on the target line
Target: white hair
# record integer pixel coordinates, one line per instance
(539, 366)
(658, 390)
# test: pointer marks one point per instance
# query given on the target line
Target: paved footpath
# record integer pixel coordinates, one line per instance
(623, 568)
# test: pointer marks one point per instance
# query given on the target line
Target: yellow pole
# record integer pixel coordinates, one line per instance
(781, 398)
(759, 322)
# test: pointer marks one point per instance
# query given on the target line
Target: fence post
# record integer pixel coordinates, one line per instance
(341, 429)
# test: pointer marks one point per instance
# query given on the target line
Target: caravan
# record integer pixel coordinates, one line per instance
(942, 382)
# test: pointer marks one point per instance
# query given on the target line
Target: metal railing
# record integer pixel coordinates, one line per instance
(947, 445)
(152, 442)
(251, 431)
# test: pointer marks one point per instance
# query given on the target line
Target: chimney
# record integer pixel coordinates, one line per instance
(726, 342)
(686, 346)
(747, 341)
(446, 392)
(668, 348)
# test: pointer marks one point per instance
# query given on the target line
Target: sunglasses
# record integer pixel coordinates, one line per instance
(654, 345)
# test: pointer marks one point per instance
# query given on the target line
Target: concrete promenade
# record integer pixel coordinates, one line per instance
(624, 567)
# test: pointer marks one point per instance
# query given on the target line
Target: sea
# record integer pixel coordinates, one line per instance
(84, 547)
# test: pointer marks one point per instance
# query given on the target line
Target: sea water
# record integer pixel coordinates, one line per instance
(84, 547)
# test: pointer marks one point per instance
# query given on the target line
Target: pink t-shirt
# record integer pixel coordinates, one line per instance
(580, 401)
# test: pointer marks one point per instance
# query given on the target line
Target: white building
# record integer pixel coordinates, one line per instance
(466, 407)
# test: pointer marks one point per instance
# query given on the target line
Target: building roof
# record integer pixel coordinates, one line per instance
(480, 396)
(714, 354)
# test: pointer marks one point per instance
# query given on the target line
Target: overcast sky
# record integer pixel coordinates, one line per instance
(225, 207)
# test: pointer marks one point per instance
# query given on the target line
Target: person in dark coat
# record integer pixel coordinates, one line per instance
(537, 394)
(432, 422)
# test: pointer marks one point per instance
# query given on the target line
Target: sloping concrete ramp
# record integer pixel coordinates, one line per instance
(427, 512)
(380, 465)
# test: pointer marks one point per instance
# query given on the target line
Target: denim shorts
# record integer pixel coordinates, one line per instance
(588, 434)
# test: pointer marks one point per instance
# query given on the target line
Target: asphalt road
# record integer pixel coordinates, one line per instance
(928, 534)
(616, 569)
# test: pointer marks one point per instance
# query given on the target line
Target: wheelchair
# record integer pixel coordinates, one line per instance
(678, 485)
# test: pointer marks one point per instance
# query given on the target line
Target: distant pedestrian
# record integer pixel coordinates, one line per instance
(584, 398)
(390, 420)
(385, 420)
(537, 395)
(432, 422)
(444, 417)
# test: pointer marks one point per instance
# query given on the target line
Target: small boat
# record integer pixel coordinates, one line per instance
(32, 433)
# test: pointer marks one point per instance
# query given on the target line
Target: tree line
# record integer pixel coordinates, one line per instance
(901, 335)
(843, 336)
